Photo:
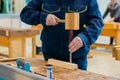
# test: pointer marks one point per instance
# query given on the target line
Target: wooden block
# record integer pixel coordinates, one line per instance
(63, 64)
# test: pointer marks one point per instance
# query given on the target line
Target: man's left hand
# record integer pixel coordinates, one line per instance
(75, 44)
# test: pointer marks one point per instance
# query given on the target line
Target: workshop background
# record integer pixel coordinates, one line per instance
(101, 61)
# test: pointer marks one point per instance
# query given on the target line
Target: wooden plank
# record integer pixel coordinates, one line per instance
(63, 64)
(10, 59)
(18, 32)
(24, 33)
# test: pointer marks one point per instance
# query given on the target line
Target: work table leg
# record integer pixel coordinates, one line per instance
(16, 47)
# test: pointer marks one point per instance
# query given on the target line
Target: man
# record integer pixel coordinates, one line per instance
(55, 39)
(116, 17)
(114, 9)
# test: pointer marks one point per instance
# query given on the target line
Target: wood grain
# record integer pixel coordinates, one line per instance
(39, 67)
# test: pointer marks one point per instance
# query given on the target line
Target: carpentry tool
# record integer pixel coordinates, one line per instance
(71, 23)
(63, 64)
(21, 64)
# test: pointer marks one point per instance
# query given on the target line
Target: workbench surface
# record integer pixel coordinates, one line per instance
(39, 67)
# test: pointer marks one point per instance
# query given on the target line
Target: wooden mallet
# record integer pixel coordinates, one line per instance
(71, 23)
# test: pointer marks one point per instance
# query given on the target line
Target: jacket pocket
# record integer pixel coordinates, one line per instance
(50, 8)
(77, 8)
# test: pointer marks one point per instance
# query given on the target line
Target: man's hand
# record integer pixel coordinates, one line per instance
(51, 20)
(112, 19)
(75, 44)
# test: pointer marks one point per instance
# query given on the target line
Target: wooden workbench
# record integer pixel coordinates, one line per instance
(38, 67)
(14, 39)
(112, 30)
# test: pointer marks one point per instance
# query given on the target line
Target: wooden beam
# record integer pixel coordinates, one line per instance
(18, 32)
(63, 64)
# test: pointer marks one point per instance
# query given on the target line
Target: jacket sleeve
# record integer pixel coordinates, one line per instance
(94, 24)
(106, 12)
(117, 14)
(32, 13)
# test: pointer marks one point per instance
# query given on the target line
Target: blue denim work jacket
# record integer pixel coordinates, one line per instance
(55, 39)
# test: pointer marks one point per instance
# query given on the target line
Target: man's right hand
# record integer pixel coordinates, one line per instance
(51, 20)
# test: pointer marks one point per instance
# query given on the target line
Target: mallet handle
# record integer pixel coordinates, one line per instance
(60, 21)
